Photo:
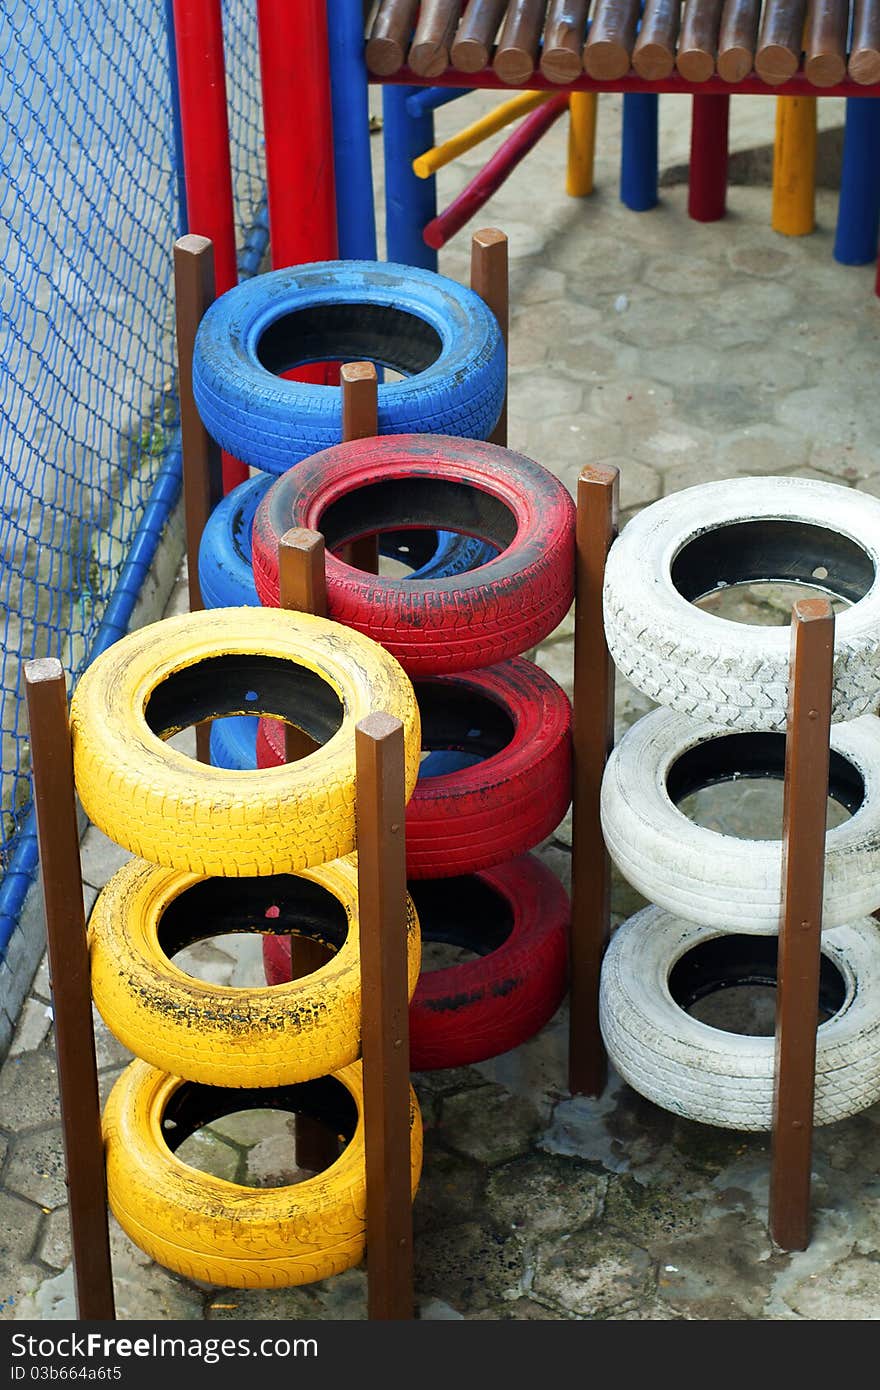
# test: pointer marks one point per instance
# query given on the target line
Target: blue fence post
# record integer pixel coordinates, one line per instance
(179, 172)
(355, 208)
(858, 208)
(410, 202)
(638, 156)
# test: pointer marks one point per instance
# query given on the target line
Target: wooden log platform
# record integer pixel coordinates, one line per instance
(812, 47)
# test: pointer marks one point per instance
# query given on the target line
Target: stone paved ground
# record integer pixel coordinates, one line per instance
(682, 353)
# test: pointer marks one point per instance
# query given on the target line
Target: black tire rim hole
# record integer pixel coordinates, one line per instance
(752, 758)
(417, 503)
(245, 684)
(459, 917)
(340, 333)
(458, 718)
(729, 983)
(773, 552)
(271, 905)
(193, 1107)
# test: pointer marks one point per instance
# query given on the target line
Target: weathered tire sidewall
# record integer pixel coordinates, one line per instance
(224, 1035)
(726, 1079)
(733, 674)
(722, 880)
(172, 810)
(273, 423)
(219, 1232)
(466, 621)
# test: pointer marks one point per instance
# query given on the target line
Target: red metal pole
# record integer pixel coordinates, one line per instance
(298, 124)
(707, 192)
(490, 178)
(201, 77)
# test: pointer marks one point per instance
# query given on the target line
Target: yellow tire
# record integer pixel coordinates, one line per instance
(221, 1035)
(220, 1232)
(164, 806)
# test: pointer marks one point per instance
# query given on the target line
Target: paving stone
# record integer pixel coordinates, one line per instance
(18, 1282)
(435, 1310)
(468, 1266)
(257, 1305)
(41, 984)
(848, 1292)
(209, 1153)
(450, 1188)
(100, 857)
(19, 1223)
(33, 1024)
(54, 1247)
(35, 1167)
(488, 1124)
(142, 1290)
(725, 1271)
(542, 1194)
(590, 1272)
(29, 1091)
(520, 1310)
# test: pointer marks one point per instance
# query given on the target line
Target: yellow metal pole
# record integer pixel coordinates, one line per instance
(794, 166)
(582, 113)
(428, 163)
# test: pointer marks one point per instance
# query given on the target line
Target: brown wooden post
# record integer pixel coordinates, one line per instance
(360, 420)
(489, 279)
(55, 802)
(593, 739)
(803, 873)
(202, 466)
(302, 587)
(381, 853)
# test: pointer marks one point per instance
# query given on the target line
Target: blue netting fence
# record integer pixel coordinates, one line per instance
(89, 451)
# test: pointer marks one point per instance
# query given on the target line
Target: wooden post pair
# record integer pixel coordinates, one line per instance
(803, 838)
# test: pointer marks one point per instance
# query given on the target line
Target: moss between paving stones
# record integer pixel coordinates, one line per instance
(591, 1273)
(469, 1266)
(488, 1124)
(542, 1193)
(450, 1189)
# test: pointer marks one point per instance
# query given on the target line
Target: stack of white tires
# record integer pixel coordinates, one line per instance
(722, 688)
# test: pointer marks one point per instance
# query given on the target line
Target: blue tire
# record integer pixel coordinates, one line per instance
(234, 742)
(226, 575)
(441, 335)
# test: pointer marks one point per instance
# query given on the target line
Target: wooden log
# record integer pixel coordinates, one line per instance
(825, 42)
(608, 50)
(864, 53)
(516, 56)
(738, 39)
(654, 52)
(429, 51)
(389, 36)
(564, 33)
(698, 43)
(780, 43)
(475, 40)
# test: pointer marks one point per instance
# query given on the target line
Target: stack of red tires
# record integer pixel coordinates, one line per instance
(460, 638)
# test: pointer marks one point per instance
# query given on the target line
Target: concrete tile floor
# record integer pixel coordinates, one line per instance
(683, 353)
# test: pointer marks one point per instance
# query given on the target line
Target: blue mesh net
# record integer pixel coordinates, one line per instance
(88, 410)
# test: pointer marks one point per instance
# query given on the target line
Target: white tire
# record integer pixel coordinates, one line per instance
(745, 530)
(721, 1078)
(721, 880)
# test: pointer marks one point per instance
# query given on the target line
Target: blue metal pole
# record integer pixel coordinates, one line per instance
(410, 202)
(177, 153)
(858, 208)
(355, 209)
(638, 158)
(429, 98)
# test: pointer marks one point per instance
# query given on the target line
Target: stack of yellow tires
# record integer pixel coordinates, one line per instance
(223, 850)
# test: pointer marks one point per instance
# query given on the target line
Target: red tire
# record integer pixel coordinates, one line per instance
(397, 482)
(518, 720)
(515, 919)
